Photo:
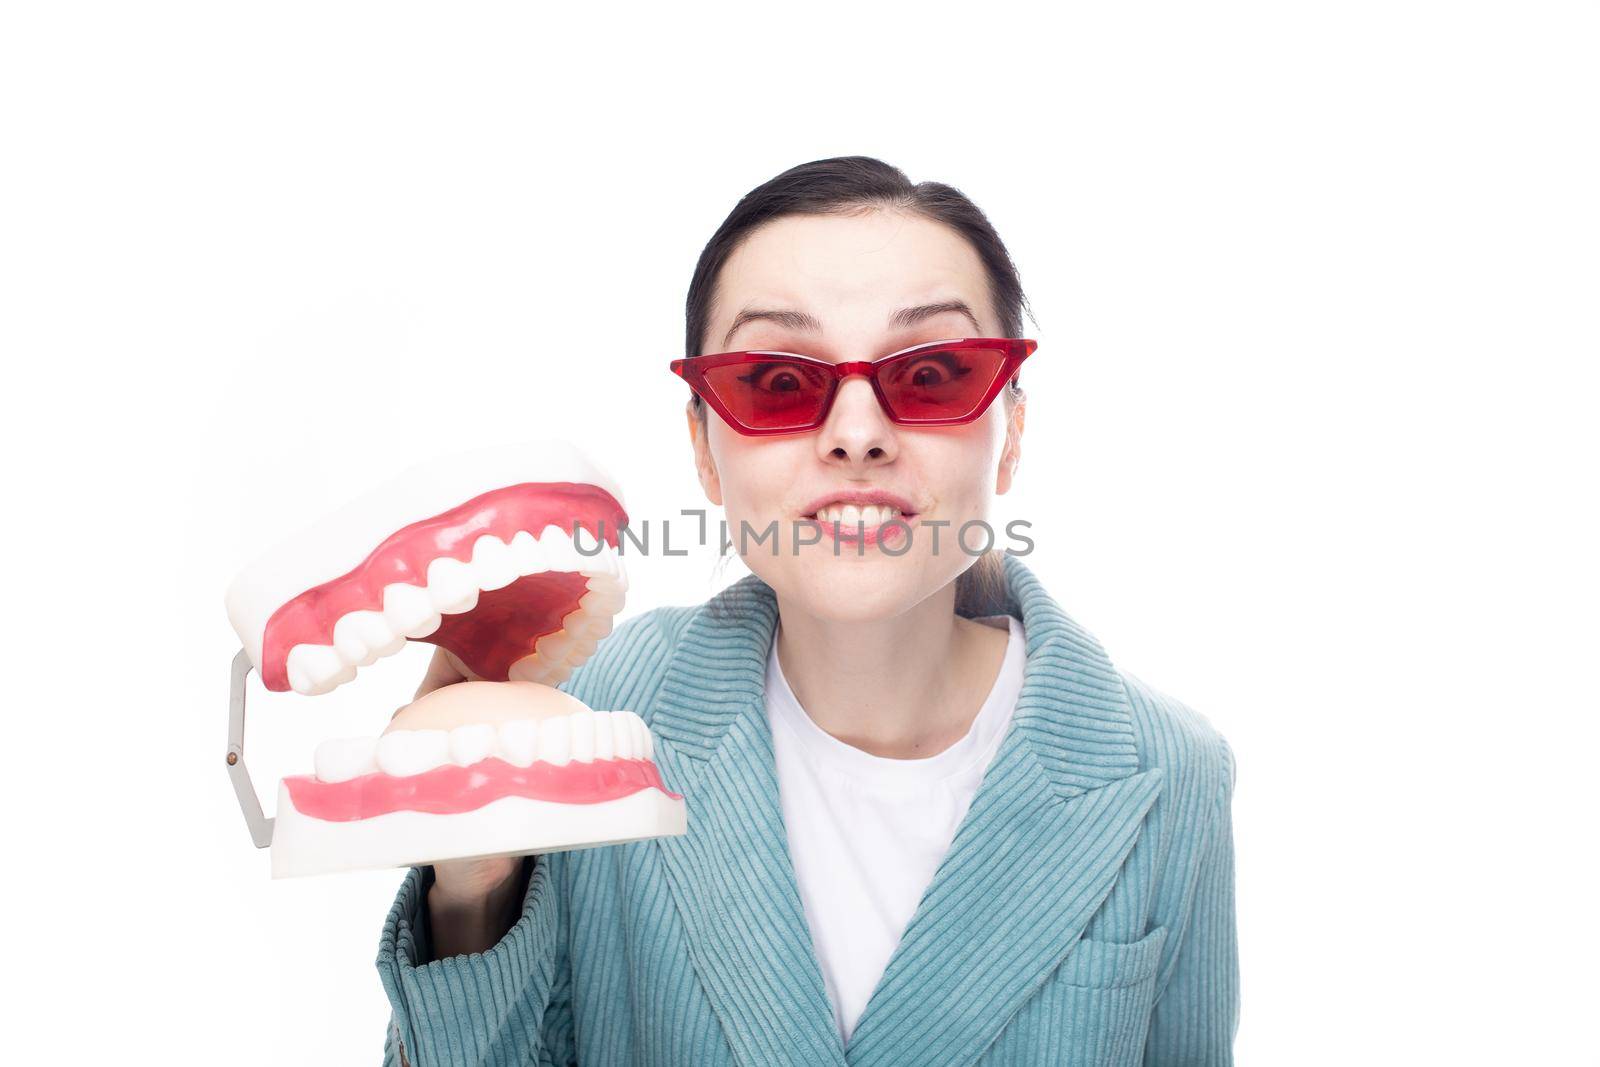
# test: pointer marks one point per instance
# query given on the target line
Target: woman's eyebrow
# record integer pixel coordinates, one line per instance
(794, 320)
(807, 323)
(911, 316)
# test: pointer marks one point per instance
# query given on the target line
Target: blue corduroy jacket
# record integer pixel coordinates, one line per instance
(1083, 915)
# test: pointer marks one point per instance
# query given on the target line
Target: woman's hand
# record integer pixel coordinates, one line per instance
(472, 902)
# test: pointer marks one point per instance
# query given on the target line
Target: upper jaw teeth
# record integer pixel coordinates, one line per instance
(411, 611)
(581, 737)
(865, 514)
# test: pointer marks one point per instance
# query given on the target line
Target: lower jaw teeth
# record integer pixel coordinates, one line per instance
(581, 737)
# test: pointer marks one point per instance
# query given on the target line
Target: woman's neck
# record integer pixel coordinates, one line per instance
(902, 688)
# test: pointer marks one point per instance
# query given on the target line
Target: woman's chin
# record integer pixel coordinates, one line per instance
(847, 588)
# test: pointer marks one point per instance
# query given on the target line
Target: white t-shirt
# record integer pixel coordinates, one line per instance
(866, 833)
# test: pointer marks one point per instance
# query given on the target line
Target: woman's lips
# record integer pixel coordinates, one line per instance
(894, 532)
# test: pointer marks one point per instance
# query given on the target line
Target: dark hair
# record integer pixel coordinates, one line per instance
(855, 185)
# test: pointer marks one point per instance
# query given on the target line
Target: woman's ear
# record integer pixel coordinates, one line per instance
(1011, 454)
(705, 466)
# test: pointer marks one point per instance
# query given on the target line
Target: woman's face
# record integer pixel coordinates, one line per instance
(844, 285)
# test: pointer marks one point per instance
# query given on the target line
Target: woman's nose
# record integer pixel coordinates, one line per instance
(857, 430)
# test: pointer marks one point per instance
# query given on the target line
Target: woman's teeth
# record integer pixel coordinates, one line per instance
(581, 737)
(852, 515)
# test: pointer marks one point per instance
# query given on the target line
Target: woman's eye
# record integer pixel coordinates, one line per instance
(772, 379)
(935, 370)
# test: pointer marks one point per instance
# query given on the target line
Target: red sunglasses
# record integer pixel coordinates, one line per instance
(938, 383)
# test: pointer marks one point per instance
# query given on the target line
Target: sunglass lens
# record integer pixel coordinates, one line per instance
(770, 396)
(939, 385)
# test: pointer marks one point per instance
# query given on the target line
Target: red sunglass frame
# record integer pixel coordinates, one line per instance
(692, 370)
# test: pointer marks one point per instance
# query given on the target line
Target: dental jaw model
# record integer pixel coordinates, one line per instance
(507, 558)
(475, 769)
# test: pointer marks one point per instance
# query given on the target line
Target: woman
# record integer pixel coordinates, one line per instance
(930, 823)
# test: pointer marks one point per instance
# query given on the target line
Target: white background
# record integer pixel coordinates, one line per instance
(1311, 440)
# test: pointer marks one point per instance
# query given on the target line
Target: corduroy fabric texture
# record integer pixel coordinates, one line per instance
(1083, 915)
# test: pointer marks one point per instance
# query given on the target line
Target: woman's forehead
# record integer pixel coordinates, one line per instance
(837, 271)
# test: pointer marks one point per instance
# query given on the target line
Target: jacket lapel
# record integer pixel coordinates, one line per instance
(731, 875)
(1037, 853)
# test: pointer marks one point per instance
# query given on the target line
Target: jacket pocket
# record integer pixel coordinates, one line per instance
(1112, 964)
(1093, 1012)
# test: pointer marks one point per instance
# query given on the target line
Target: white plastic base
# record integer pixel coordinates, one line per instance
(510, 826)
